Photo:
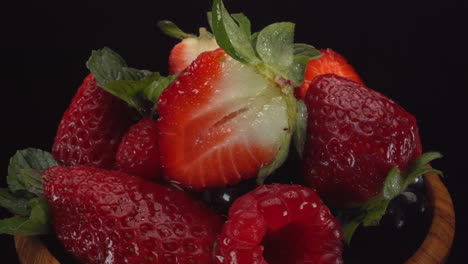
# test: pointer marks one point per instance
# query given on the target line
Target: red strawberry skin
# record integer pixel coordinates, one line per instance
(104, 216)
(138, 153)
(330, 62)
(219, 123)
(355, 136)
(91, 128)
(279, 224)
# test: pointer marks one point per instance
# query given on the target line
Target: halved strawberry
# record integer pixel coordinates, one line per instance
(330, 62)
(220, 122)
(188, 49)
(231, 114)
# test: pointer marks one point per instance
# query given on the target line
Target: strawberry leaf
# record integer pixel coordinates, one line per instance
(244, 23)
(36, 224)
(232, 37)
(131, 91)
(395, 183)
(25, 197)
(172, 30)
(32, 180)
(275, 47)
(155, 89)
(30, 160)
(106, 65)
(305, 52)
(16, 202)
(128, 84)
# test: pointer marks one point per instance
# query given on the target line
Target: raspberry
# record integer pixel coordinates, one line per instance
(279, 224)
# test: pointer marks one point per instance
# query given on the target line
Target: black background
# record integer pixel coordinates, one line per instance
(414, 53)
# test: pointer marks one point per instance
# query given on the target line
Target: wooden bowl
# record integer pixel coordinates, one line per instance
(434, 249)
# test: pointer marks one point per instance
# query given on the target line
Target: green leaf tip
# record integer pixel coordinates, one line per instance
(16, 202)
(130, 85)
(37, 223)
(172, 30)
(25, 196)
(234, 38)
(396, 182)
(23, 169)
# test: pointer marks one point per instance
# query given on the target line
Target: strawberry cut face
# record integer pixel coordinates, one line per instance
(220, 122)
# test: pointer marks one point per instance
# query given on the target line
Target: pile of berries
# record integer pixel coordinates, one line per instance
(189, 168)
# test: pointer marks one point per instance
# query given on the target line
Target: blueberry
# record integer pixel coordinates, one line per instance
(408, 205)
(221, 199)
(291, 172)
(395, 217)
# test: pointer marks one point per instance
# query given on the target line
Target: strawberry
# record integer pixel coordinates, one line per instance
(362, 149)
(279, 224)
(188, 49)
(231, 113)
(104, 216)
(138, 153)
(330, 62)
(91, 128)
(214, 128)
(355, 137)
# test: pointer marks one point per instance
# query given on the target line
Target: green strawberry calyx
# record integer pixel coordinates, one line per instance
(271, 51)
(25, 196)
(371, 212)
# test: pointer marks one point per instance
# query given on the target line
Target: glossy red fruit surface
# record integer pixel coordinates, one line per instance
(91, 128)
(355, 135)
(279, 224)
(105, 216)
(138, 153)
(219, 122)
(330, 62)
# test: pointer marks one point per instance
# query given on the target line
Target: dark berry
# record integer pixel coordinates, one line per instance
(221, 199)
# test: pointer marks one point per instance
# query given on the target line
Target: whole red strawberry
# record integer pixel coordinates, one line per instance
(355, 136)
(91, 128)
(104, 216)
(330, 62)
(138, 152)
(279, 224)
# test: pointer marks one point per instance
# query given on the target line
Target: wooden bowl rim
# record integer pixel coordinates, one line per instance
(434, 249)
